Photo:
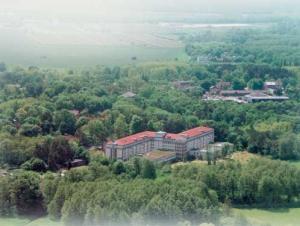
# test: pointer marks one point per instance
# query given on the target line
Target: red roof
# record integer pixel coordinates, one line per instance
(148, 134)
(196, 131)
(173, 136)
(135, 138)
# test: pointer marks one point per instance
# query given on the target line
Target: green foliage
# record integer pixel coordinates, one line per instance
(256, 84)
(94, 202)
(37, 105)
(56, 152)
(65, 122)
(277, 45)
(15, 150)
(148, 170)
(289, 147)
(136, 124)
(118, 168)
(120, 126)
(261, 182)
(97, 132)
(22, 195)
(238, 84)
(30, 130)
(35, 164)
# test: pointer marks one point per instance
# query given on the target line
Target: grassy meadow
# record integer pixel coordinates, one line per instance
(28, 222)
(272, 217)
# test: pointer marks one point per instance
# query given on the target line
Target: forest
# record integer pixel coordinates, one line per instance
(276, 44)
(50, 117)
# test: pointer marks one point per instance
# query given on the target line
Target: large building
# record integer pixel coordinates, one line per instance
(142, 143)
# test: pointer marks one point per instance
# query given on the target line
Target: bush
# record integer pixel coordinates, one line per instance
(35, 164)
(30, 130)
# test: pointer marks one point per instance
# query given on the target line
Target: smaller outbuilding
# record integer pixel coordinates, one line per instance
(213, 151)
(274, 85)
(78, 163)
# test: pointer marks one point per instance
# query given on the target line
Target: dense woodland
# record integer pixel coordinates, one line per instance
(50, 117)
(137, 192)
(277, 44)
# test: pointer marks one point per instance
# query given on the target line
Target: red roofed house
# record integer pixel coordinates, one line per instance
(141, 143)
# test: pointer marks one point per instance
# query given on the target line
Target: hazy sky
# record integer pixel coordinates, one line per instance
(163, 5)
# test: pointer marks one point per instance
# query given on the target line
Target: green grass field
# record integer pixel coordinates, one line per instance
(82, 56)
(13, 222)
(27, 222)
(273, 217)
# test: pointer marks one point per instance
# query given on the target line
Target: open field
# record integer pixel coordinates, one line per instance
(59, 56)
(77, 42)
(27, 222)
(244, 156)
(13, 222)
(69, 43)
(272, 217)
(44, 222)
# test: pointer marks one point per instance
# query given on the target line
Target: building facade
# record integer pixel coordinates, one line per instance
(141, 143)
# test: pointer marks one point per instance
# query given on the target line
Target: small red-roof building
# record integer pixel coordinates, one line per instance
(147, 141)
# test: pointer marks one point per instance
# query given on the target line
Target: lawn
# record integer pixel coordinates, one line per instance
(27, 222)
(273, 217)
(44, 222)
(13, 222)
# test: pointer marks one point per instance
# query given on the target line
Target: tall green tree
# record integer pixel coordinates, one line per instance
(148, 170)
(136, 124)
(97, 131)
(120, 126)
(65, 122)
(26, 195)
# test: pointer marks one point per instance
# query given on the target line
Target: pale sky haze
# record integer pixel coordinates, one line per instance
(149, 5)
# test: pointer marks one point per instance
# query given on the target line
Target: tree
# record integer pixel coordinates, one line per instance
(65, 122)
(256, 84)
(33, 85)
(175, 124)
(238, 84)
(97, 131)
(26, 195)
(136, 124)
(6, 206)
(148, 170)
(13, 153)
(55, 152)
(289, 147)
(161, 210)
(206, 84)
(120, 126)
(137, 165)
(30, 130)
(49, 187)
(35, 164)
(268, 190)
(118, 168)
